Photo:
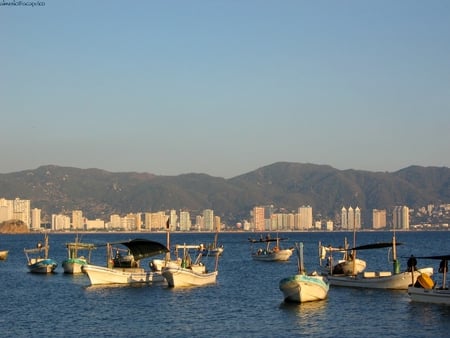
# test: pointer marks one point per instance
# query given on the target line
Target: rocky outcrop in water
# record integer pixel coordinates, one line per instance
(13, 227)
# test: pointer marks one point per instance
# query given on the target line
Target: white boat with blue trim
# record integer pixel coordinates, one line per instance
(38, 260)
(301, 287)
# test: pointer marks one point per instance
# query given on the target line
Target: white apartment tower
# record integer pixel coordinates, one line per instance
(208, 220)
(344, 219)
(305, 217)
(77, 220)
(351, 218)
(35, 219)
(400, 217)
(185, 221)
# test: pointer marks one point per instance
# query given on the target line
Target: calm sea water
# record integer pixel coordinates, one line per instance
(245, 302)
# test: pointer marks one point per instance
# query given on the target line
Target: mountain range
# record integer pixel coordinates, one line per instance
(287, 186)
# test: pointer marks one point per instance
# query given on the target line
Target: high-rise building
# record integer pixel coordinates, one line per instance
(400, 217)
(350, 218)
(35, 219)
(16, 209)
(185, 221)
(258, 219)
(344, 218)
(77, 220)
(208, 220)
(305, 217)
(357, 218)
(379, 219)
(60, 222)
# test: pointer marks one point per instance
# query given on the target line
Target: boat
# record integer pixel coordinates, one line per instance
(392, 280)
(346, 265)
(189, 272)
(303, 287)
(38, 260)
(212, 249)
(270, 254)
(3, 255)
(73, 263)
(425, 289)
(111, 274)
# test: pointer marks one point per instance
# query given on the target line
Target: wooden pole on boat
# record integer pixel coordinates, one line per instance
(46, 246)
(168, 239)
(354, 251)
(300, 256)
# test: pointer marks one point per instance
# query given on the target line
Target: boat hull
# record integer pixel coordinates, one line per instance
(42, 266)
(74, 265)
(280, 255)
(99, 275)
(182, 277)
(304, 288)
(378, 280)
(435, 296)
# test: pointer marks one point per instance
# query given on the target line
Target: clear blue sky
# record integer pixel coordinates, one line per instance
(225, 87)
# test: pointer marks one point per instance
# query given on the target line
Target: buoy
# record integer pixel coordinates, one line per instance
(425, 281)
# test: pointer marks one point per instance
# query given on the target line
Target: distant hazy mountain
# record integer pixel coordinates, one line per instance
(100, 193)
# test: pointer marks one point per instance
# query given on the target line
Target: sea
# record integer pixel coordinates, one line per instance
(245, 301)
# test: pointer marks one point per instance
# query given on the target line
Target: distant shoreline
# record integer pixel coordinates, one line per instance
(104, 232)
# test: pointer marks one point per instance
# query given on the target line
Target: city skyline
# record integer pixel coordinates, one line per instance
(261, 219)
(224, 87)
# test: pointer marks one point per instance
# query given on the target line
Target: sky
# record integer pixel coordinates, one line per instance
(224, 87)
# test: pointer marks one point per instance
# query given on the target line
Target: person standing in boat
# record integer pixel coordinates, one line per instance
(412, 263)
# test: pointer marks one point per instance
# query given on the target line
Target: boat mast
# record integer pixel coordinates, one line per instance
(354, 251)
(168, 239)
(394, 257)
(46, 246)
(301, 267)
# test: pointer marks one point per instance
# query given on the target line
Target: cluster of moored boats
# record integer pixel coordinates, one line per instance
(123, 258)
(350, 271)
(186, 267)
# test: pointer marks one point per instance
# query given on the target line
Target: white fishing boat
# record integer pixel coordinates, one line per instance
(189, 272)
(268, 253)
(394, 280)
(74, 262)
(346, 265)
(301, 287)
(139, 249)
(425, 289)
(38, 260)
